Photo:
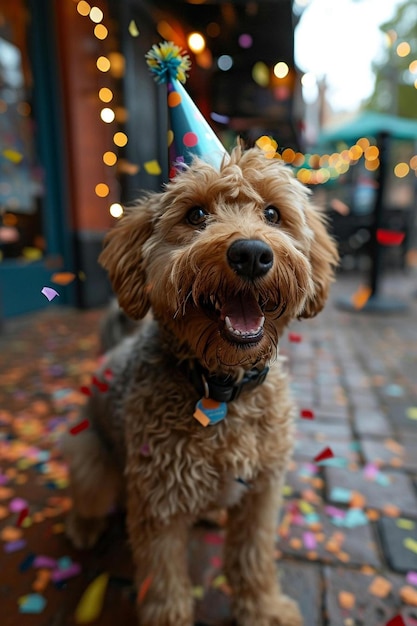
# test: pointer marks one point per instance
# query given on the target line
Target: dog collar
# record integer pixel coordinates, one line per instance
(223, 388)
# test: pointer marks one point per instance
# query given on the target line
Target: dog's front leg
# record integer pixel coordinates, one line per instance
(249, 559)
(159, 549)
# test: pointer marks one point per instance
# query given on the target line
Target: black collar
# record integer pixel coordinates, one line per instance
(221, 388)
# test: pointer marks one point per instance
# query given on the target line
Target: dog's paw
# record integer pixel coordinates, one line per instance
(82, 532)
(282, 611)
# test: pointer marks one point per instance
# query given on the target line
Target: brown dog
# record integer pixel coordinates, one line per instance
(225, 259)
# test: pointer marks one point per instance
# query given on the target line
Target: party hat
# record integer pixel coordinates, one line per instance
(189, 134)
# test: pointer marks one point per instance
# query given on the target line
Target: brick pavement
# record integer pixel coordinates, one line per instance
(347, 535)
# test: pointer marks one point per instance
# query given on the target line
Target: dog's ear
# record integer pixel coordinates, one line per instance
(324, 258)
(123, 259)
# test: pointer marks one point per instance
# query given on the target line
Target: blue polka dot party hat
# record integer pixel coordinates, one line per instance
(189, 134)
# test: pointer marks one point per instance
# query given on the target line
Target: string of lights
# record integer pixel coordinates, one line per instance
(311, 169)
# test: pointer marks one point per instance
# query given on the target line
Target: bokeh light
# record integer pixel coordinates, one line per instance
(105, 94)
(281, 69)
(102, 190)
(107, 115)
(401, 170)
(196, 42)
(260, 74)
(116, 210)
(225, 62)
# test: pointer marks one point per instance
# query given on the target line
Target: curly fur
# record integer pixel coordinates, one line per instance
(143, 427)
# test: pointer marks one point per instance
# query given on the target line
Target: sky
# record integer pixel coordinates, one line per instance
(339, 39)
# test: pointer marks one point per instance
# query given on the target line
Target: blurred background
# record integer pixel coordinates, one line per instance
(83, 125)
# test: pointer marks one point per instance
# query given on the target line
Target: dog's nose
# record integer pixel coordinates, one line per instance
(250, 258)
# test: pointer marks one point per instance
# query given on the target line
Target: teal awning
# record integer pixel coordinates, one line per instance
(370, 124)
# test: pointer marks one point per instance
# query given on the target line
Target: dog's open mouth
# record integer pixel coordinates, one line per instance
(240, 317)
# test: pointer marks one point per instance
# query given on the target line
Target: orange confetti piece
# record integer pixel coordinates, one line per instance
(201, 417)
(62, 278)
(373, 515)
(380, 587)
(408, 595)
(10, 533)
(346, 600)
(391, 510)
(357, 500)
(144, 588)
(296, 543)
(361, 297)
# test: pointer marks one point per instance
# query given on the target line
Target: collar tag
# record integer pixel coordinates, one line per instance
(210, 412)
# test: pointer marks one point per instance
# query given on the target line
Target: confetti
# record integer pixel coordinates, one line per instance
(133, 29)
(396, 621)
(361, 297)
(323, 455)
(406, 524)
(408, 595)
(346, 600)
(411, 413)
(78, 428)
(63, 278)
(49, 293)
(410, 544)
(14, 546)
(380, 587)
(90, 605)
(72, 569)
(32, 603)
(412, 578)
(307, 414)
(294, 338)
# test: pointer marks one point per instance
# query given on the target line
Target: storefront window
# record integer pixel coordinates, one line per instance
(21, 186)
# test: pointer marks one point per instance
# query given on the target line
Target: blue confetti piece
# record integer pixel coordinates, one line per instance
(341, 495)
(33, 603)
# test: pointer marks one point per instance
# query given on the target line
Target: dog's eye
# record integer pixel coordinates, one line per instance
(272, 215)
(196, 216)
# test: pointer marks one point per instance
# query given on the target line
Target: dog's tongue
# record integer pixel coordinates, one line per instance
(244, 313)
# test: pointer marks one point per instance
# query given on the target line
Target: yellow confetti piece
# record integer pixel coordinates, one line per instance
(411, 413)
(12, 155)
(406, 524)
(26, 522)
(152, 167)
(91, 602)
(133, 29)
(287, 490)
(305, 507)
(410, 544)
(32, 254)
(361, 297)
(219, 581)
(198, 592)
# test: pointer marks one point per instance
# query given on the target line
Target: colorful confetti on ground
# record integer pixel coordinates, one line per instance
(348, 521)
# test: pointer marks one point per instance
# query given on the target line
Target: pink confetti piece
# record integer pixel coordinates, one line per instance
(17, 505)
(333, 511)
(412, 578)
(59, 575)
(44, 562)
(370, 471)
(294, 338)
(309, 540)
(49, 293)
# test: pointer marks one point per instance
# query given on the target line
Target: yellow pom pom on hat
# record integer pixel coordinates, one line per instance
(189, 133)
